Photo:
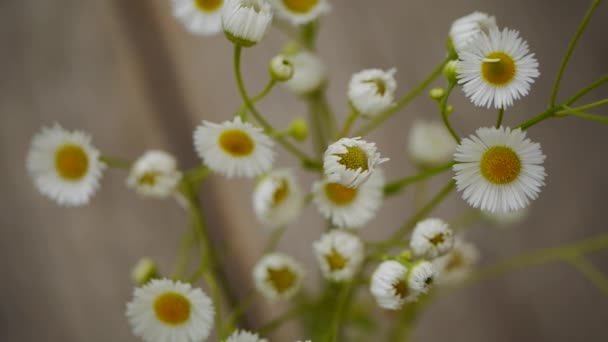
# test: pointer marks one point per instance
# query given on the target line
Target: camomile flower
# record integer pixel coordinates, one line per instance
(454, 267)
(309, 73)
(170, 311)
(245, 22)
(430, 144)
(351, 161)
(202, 17)
(421, 276)
(372, 91)
(277, 199)
(64, 165)
(465, 29)
(431, 238)
(339, 254)
(154, 174)
(497, 68)
(349, 207)
(277, 276)
(499, 169)
(234, 148)
(300, 12)
(389, 285)
(245, 336)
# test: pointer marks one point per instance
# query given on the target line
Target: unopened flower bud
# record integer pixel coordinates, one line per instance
(299, 129)
(437, 93)
(450, 70)
(144, 271)
(449, 109)
(280, 68)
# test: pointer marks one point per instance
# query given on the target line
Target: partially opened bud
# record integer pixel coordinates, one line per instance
(280, 68)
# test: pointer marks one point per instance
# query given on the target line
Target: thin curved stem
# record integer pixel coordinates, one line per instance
(575, 39)
(587, 89)
(116, 162)
(443, 108)
(590, 105)
(404, 101)
(395, 187)
(501, 112)
(308, 162)
(350, 120)
(583, 115)
(258, 97)
(589, 271)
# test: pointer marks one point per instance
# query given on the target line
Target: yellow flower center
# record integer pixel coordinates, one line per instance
(148, 178)
(498, 68)
(401, 288)
(71, 162)
(300, 6)
(335, 260)
(437, 239)
(500, 165)
(380, 86)
(236, 143)
(172, 308)
(208, 5)
(281, 193)
(281, 279)
(354, 158)
(339, 194)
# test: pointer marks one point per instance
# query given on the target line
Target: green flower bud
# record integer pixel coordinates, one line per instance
(437, 93)
(144, 271)
(298, 129)
(280, 68)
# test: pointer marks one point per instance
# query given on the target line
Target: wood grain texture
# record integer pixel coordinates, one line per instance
(127, 72)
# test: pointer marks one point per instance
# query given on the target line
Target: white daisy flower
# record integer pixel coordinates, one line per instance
(431, 238)
(64, 165)
(170, 311)
(465, 29)
(245, 336)
(277, 199)
(389, 285)
(350, 161)
(454, 267)
(245, 22)
(372, 91)
(202, 17)
(499, 169)
(300, 12)
(430, 144)
(309, 73)
(234, 148)
(339, 254)
(154, 174)
(421, 276)
(349, 207)
(497, 68)
(277, 276)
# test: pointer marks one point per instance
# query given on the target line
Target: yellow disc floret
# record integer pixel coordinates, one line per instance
(281, 279)
(208, 5)
(172, 308)
(401, 289)
(498, 68)
(500, 165)
(71, 162)
(280, 193)
(339, 194)
(335, 260)
(236, 143)
(354, 158)
(300, 6)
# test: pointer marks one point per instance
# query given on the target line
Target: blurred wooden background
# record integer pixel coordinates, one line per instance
(127, 72)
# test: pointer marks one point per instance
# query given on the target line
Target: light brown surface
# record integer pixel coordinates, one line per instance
(128, 73)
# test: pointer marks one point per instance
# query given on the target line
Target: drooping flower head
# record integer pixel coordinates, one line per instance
(203, 17)
(277, 199)
(499, 169)
(278, 276)
(372, 91)
(339, 254)
(497, 68)
(348, 207)
(234, 148)
(351, 161)
(389, 285)
(431, 238)
(64, 165)
(154, 174)
(245, 22)
(300, 12)
(164, 310)
(421, 276)
(465, 29)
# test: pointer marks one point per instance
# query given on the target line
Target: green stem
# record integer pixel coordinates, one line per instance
(184, 253)
(196, 175)
(589, 271)
(584, 91)
(443, 108)
(404, 101)
(346, 293)
(307, 162)
(116, 162)
(501, 112)
(349, 123)
(583, 115)
(237, 313)
(395, 187)
(590, 105)
(320, 135)
(575, 39)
